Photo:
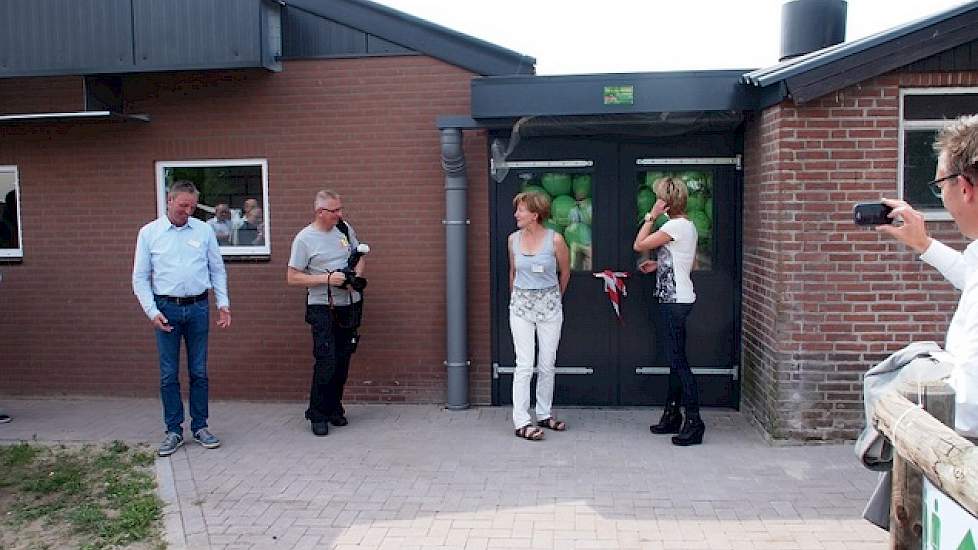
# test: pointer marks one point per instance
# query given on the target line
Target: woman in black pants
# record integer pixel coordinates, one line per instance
(675, 252)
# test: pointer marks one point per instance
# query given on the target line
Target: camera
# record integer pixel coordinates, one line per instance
(352, 281)
(872, 213)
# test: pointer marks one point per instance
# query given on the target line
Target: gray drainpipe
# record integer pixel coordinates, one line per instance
(456, 329)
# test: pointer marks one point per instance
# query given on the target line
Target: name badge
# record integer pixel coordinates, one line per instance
(194, 243)
(538, 269)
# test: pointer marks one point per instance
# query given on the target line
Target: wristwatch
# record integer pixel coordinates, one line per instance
(649, 218)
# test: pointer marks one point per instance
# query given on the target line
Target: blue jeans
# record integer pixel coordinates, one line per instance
(190, 323)
(682, 383)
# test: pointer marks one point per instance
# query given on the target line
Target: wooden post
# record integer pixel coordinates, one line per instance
(906, 512)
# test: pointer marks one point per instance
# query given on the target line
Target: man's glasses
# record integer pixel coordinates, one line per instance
(331, 210)
(937, 185)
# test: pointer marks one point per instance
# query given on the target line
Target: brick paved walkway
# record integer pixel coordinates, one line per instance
(418, 477)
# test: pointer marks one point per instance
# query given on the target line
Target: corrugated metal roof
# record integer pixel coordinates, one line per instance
(83, 37)
(68, 37)
(423, 36)
(793, 67)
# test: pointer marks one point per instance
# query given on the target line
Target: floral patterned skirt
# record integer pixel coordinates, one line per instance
(535, 304)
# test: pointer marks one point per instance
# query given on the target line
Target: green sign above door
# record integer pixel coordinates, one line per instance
(619, 95)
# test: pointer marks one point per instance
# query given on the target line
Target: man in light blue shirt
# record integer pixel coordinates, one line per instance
(177, 261)
(221, 224)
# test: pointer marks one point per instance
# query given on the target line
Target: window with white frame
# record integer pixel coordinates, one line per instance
(11, 242)
(923, 113)
(233, 200)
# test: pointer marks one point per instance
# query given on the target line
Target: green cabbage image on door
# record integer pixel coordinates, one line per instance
(699, 205)
(571, 212)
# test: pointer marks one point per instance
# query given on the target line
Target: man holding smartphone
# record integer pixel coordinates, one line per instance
(177, 262)
(956, 183)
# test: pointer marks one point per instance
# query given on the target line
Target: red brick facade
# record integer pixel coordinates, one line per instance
(824, 300)
(364, 127)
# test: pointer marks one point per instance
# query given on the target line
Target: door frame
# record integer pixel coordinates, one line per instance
(696, 155)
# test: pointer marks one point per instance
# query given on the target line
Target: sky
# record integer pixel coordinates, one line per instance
(602, 36)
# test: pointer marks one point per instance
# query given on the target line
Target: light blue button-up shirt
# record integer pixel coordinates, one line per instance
(177, 261)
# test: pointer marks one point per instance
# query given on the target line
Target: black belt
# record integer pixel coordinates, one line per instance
(184, 300)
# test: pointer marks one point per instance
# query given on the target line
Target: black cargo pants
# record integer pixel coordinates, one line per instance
(333, 342)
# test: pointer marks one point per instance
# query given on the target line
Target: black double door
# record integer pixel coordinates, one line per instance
(597, 190)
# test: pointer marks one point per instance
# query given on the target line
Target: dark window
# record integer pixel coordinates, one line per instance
(939, 106)
(925, 112)
(10, 235)
(919, 166)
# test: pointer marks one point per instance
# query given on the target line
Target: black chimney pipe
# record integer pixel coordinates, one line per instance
(810, 25)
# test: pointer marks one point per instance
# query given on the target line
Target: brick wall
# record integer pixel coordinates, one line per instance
(364, 127)
(56, 94)
(824, 300)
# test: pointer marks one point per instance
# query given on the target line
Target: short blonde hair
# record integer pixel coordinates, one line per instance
(537, 203)
(673, 191)
(957, 143)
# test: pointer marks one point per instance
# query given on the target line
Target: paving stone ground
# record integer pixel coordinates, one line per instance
(420, 477)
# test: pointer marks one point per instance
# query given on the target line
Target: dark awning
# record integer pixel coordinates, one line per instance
(509, 97)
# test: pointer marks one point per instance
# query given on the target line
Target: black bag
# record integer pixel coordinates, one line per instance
(357, 306)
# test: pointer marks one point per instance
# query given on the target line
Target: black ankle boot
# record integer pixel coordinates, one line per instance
(671, 421)
(692, 432)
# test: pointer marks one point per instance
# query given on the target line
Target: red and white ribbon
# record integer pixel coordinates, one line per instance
(614, 287)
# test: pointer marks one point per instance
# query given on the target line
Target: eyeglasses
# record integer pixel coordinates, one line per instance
(330, 210)
(937, 185)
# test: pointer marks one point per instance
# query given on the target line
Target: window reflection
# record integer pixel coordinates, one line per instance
(699, 206)
(232, 200)
(9, 219)
(571, 210)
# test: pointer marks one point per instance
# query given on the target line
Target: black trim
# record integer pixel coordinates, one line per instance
(961, 58)
(423, 36)
(53, 37)
(772, 95)
(665, 92)
(787, 69)
(837, 67)
(462, 122)
(350, 55)
(883, 58)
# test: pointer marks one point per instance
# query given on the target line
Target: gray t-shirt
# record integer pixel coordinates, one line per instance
(315, 252)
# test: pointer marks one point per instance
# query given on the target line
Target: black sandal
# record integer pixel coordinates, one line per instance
(529, 432)
(553, 424)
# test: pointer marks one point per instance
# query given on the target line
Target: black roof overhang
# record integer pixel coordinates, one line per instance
(103, 102)
(837, 67)
(508, 97)
(55, 38)
(459, 49)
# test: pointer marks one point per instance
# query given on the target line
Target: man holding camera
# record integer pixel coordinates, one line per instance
(321, 262)
(956, 184)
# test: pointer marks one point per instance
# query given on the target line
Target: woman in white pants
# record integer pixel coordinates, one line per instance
(536, 256)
